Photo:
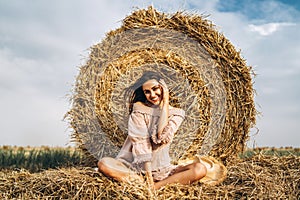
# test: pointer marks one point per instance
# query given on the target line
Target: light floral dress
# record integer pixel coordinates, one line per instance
(142, 144)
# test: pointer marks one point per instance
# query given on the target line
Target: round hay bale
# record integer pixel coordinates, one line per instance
(205, 74)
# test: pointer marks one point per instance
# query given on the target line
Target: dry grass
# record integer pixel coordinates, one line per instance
(257, 177)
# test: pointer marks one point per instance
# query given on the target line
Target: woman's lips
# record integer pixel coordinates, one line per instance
(156, 99)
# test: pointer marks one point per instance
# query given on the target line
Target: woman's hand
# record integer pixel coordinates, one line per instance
(165, 91)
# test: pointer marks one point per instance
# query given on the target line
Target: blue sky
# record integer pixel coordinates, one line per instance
(43, 44)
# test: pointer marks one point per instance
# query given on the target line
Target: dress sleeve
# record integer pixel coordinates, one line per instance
(139, 136)
(169, 131)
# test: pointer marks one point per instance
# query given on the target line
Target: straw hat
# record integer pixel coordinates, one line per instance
(216, 171)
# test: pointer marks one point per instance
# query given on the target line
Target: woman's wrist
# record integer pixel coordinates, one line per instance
(164, 104)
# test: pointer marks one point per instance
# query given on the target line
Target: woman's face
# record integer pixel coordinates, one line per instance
(152, 91)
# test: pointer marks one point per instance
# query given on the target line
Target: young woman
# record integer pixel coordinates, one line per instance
(151, 127)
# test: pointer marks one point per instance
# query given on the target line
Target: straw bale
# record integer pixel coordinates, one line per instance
(206, 75)
(258, 177)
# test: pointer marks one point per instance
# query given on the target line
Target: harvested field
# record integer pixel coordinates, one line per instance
(256, 175)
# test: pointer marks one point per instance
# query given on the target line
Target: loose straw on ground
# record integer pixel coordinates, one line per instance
(258, 177)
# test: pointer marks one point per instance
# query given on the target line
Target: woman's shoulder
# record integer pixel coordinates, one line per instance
(138, 103)
(142, 108)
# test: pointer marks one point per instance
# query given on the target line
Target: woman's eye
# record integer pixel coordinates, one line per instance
(156, 88)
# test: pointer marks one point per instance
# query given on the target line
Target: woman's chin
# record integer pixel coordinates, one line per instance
(155, 103)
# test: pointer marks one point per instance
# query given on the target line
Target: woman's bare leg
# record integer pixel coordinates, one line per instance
(184, 175)
(117, 170)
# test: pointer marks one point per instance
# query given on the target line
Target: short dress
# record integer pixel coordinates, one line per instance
(142, 144)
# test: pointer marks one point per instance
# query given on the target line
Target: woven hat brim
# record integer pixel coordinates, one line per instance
(216, 171)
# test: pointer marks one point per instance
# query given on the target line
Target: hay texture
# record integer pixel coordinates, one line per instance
(258, 177)
(206, 76)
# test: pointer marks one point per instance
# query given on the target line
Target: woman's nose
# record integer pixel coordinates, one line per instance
(152, 93)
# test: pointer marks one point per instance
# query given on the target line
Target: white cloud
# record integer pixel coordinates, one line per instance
(269, 28)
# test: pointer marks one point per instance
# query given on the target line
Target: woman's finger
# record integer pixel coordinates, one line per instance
(163, 84)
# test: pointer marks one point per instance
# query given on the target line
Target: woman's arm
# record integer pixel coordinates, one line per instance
(164, 106)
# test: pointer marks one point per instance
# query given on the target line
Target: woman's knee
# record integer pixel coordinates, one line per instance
(199, 170)
(103, 164)
(112, 167)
